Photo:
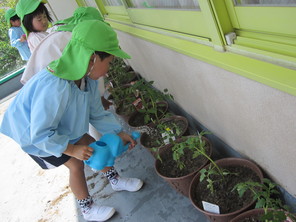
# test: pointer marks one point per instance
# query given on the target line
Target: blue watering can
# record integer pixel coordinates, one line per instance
(107, 149)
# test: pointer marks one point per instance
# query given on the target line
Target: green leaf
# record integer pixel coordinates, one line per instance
(260, 203)
(241, 191)
(202, 175)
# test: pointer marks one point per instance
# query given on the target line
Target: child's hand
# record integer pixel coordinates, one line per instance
(81, 152)
(126, 138)
(23, 38)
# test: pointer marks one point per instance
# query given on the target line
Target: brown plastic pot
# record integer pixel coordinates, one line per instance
(175, 118)
(181, 184)
(250, 213)
(253, 213)
(224, 163)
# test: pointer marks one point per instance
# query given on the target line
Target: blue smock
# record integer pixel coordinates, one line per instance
(49, 112)
(15, 34)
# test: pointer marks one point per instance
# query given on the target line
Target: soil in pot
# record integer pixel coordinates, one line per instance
(168, 166)
(153, 138)
(224, 195)
(180, 177)
(137, 119)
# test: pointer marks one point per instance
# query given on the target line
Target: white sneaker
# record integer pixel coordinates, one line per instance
(97, 213)
(129, 184)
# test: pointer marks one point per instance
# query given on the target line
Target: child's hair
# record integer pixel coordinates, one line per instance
(102, 55)
(14, 18)
(27, 21)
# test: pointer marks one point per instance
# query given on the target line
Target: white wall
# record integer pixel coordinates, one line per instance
(254, 119)
(61, 9)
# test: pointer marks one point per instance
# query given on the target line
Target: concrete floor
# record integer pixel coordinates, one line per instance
(30, 194)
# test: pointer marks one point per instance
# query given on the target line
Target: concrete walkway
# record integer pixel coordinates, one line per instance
(30, 194)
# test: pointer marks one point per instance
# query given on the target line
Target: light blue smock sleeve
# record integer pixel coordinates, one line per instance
(102, 120)
(46, 113)
(14, 36)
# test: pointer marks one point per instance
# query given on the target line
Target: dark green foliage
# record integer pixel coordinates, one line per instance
(9, 57)
(267, 197)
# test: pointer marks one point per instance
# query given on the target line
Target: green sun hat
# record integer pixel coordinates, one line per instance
(87, 37)
(79, 15)
(9, 14)
(24, 7)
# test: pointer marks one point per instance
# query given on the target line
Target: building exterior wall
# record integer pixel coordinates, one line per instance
(61, 9)
(254, 119)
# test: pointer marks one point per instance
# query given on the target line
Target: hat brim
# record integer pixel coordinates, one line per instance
(73, 63)
(64, 21)
(119, 53)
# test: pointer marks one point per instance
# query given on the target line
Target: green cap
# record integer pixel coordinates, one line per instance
(87, 37)
(79, 15)
(9, 14)
(24, 7)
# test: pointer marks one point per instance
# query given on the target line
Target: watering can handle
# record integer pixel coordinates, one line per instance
(136, 135)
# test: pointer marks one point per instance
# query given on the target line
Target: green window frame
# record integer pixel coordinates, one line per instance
(116, 7)
(170, 19)
(270, 28)
(264, 56)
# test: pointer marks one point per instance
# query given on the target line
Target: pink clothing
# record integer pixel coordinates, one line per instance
(35, 38)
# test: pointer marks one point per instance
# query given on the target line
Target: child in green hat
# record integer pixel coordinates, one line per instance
(52, 46)
(80, 14)
(50, 115)
(16, 34)
(35, 20)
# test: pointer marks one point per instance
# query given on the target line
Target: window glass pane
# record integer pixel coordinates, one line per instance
(112, 2)
(10, 59)
(91, 3)
(265, 2)
(174, 4)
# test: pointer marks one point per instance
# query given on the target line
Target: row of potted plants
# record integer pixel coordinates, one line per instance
(221, 189)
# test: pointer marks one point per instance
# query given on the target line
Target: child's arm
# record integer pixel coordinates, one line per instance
(126, 138)
(81, 152)
(47, 108)
(103, 121)
(15, 39)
